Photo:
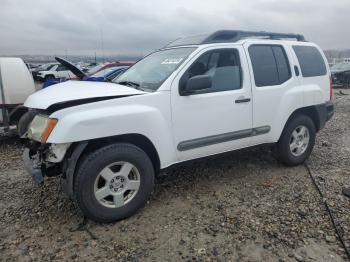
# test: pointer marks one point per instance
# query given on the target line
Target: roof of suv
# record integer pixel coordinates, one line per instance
(227, 36)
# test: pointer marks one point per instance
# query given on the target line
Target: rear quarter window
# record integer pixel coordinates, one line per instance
(310, 60)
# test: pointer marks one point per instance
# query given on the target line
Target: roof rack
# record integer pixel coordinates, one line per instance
(226, 36)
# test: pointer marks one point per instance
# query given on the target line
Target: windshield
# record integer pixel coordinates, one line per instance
(149, 73)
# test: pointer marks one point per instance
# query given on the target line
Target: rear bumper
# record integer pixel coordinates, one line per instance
(33, 171)
(325, 112)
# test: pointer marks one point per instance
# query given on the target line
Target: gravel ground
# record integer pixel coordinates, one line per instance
(243, 206)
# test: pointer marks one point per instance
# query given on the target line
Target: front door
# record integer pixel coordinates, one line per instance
(219, 118)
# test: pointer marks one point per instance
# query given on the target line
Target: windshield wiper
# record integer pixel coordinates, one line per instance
(129, 83)
(132, 84)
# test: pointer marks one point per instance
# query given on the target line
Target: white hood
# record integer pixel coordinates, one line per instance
(75, 90)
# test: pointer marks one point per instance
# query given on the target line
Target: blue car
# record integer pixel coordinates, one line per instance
(106, 74)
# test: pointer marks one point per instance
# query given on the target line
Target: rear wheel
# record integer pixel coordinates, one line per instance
(114, 182)
(297, 141)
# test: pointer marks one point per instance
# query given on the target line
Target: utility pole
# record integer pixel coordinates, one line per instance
(102, 46)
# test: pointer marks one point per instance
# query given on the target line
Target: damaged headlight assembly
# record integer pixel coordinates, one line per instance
(41, 127)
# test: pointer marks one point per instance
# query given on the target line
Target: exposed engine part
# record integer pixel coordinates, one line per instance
(56, 152)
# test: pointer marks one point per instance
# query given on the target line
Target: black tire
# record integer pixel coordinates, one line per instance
(283, 152)
(91, 166)
(24, 122)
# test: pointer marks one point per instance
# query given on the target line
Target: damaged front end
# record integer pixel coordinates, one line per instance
(42, 160)
(45, 156)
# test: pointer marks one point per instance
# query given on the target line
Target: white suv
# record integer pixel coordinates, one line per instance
(199, 96)
(56, 71)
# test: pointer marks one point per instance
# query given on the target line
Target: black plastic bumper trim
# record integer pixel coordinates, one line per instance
(35, 173)
(330, 110)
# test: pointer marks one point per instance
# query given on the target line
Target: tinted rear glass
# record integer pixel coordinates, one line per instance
(282, 64)
(270, 65)
(310, 60)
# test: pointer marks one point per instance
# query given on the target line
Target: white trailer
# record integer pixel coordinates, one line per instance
(16, 84)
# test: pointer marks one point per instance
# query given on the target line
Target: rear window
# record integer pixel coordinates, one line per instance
(270, 65)
(310, 60)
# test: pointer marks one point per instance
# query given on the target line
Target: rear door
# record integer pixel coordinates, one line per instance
(274, 87)
(218, 119)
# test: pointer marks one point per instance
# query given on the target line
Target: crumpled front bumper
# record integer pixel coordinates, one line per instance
(33, 171)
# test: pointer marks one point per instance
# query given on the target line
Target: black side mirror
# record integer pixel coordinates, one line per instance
(196, 83)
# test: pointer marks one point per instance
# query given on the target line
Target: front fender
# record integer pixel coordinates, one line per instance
(87, 122)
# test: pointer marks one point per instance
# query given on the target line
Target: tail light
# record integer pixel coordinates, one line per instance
(330, 88)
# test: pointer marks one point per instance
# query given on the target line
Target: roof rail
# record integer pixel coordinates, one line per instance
(225, 36)
(235, 35)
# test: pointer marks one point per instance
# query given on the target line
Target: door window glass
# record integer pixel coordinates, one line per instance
(224, 67)
(270, 65)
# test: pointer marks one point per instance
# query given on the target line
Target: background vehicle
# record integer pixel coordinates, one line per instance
(16, 84)
(56, 71)
(341, 73)
(104, 66)
(44, 67)
(31, 67)
(198, 96)
(106, 75)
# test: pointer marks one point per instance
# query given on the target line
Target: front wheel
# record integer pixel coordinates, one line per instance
(113, 182)
(297, 141)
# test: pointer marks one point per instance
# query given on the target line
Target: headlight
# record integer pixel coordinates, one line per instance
(41, 127)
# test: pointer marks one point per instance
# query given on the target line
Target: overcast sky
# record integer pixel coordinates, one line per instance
(137, 27)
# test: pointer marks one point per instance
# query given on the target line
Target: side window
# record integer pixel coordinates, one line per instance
(270, 65)
(52, 68)
(310, 60)
(61, 68)
(213, 60)
(224, 67)
(283, 67)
